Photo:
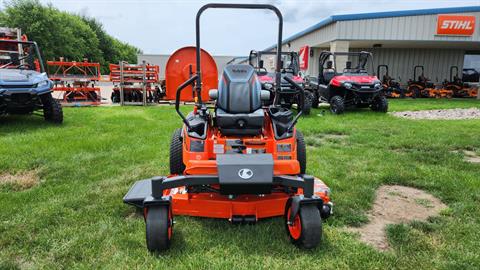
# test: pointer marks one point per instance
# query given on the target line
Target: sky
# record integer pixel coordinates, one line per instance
(162, 26)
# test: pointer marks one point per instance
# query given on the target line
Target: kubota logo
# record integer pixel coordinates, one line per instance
(455, 25)
(245, 173)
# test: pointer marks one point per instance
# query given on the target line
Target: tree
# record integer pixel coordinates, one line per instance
(61, 34)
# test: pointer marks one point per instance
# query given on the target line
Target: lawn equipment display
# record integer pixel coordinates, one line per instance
(342, 85)
(457, 86)
(420, 86)
(135, 84)
(242, 162)
(180, 67)
(75, 81)
(24, 85)
(391, 87)
(288, 95)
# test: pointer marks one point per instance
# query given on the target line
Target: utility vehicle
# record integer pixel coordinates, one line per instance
(346, 79)
(24, 85)
(288, 95)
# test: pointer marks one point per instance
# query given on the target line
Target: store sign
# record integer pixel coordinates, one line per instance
(455, 25)
(303, 55)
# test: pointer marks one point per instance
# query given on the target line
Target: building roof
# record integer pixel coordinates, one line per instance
(378, 15)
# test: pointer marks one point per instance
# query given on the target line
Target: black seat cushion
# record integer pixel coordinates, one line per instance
(240, 123)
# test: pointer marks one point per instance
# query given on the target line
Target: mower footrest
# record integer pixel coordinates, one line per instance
(138, 192)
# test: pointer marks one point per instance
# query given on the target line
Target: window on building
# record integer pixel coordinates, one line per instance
(471, 67)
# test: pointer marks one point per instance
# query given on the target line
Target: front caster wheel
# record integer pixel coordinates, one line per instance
(306, 229)
(159, 227)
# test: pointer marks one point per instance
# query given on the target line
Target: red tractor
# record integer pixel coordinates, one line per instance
(289, 67)
(242, 161)
(346, 79)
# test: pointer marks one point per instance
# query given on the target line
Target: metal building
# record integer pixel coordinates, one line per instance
(435, 38)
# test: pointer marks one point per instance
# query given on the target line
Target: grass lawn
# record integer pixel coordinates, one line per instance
(75, 218)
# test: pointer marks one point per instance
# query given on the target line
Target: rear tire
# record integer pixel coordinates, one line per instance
(315, 101)
(308, 99)
(176, 153)
(416, 93)
(158, 228)
(306, 231)
(337, 105)
(301, 152)
(379, 104)
(52, 110)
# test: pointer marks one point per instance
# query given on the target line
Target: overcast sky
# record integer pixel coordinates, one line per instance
(162, 26)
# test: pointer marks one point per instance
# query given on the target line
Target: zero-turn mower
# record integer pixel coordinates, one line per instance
(241, 162)
(456, 85)
(391, 87)
(345, 85)
(289, 67)
(420, 86)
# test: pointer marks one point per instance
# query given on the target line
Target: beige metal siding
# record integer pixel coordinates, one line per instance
(418, 28)
(155, 59)
(437, 62)
(317, 37)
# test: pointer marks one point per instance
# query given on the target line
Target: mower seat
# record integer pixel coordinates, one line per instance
(239, 101)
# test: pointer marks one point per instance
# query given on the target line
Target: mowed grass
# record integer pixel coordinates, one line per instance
(75, 218)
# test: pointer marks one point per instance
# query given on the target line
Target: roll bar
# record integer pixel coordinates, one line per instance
(198, 84)
(422, 68)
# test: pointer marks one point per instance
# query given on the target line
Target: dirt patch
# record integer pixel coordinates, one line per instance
(393, 205)
(19, 181)
(448, 114)
(471, 157)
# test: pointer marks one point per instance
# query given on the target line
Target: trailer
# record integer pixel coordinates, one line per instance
(75, 83)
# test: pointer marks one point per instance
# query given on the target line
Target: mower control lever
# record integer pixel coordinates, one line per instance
(301, 99)
(177, 99)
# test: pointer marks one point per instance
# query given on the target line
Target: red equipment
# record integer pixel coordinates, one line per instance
(243, 161)
(137, 82)
(75, 81)
(15, 48)
(181, 66)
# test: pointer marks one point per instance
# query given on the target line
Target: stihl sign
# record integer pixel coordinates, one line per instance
(303, 57)
(455, 25)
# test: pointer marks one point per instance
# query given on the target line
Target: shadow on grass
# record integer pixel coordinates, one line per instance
(267, 238)
(12, 124)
